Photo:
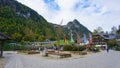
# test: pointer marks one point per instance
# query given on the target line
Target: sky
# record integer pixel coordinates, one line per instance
(90, 13)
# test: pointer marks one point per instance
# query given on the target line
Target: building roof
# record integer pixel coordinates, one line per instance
(117, 36)
(109, 36)
(106, 36)
(4, 37)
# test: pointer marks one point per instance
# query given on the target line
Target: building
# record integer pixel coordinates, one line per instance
(98, 39)
(101, 38)
(118, 38)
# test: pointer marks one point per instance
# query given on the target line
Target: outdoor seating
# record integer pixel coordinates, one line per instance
(33, 52)
(79, 52)
(51, 51)
(28, 52)
(62, 55)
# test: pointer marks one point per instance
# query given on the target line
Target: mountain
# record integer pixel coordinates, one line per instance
(73, 26)
(76, 27)
(22, 23)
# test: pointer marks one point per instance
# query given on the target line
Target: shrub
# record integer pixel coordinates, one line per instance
(67, 48)
(8, 47)
(97, 49)
(73, 48)
(81, 48)
(112, 43)
(117, 48)
(93, 48)
(23, 47)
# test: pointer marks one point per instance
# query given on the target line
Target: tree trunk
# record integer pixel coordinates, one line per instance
(1, 48)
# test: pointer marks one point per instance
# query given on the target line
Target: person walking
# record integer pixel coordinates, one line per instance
(107, 49)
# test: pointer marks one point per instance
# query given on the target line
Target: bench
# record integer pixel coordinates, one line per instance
(33, 52)
(62, 55)
(79, 52)
(51, 51)
(29, 52)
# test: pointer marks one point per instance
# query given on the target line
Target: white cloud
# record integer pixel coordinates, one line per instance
(91, 13)
(37, 5)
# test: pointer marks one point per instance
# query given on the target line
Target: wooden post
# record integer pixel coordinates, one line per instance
(1, 48)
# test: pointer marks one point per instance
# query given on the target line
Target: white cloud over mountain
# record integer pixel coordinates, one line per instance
(91, 13)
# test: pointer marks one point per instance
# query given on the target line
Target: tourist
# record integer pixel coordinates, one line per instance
(107, 49)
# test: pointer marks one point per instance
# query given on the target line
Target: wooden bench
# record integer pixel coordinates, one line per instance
(33, 52)
(21, 51)
(29, 52)
(79, 52)
(62, 55)
(75, 52)
(51, 51)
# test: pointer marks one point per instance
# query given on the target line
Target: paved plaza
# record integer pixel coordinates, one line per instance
(98, 60)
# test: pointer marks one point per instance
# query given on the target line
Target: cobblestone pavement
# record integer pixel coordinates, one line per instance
(98, 60)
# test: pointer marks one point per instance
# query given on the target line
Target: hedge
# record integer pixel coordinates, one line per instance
(67, 48)
(73, 48)
(117, 48)
(8, 47)
(81, 48)
(112, 43)
(93, 48)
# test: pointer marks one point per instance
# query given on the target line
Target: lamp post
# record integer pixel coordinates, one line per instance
(59, 32)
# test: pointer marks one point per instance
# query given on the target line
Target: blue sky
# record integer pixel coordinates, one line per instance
(90, 13)
(52, 5)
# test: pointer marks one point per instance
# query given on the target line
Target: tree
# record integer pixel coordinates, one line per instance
(16, 36)
(112, 43)
(95, 31)
(118, 31)
(23, 24)
(41, 38)
(98, 30)
(113, 30)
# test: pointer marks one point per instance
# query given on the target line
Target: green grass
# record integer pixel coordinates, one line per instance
(61, 42)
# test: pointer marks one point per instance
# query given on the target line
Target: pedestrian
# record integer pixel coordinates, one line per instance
(39, 48)
(95, 49)
(107, 49)
(45, 52)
